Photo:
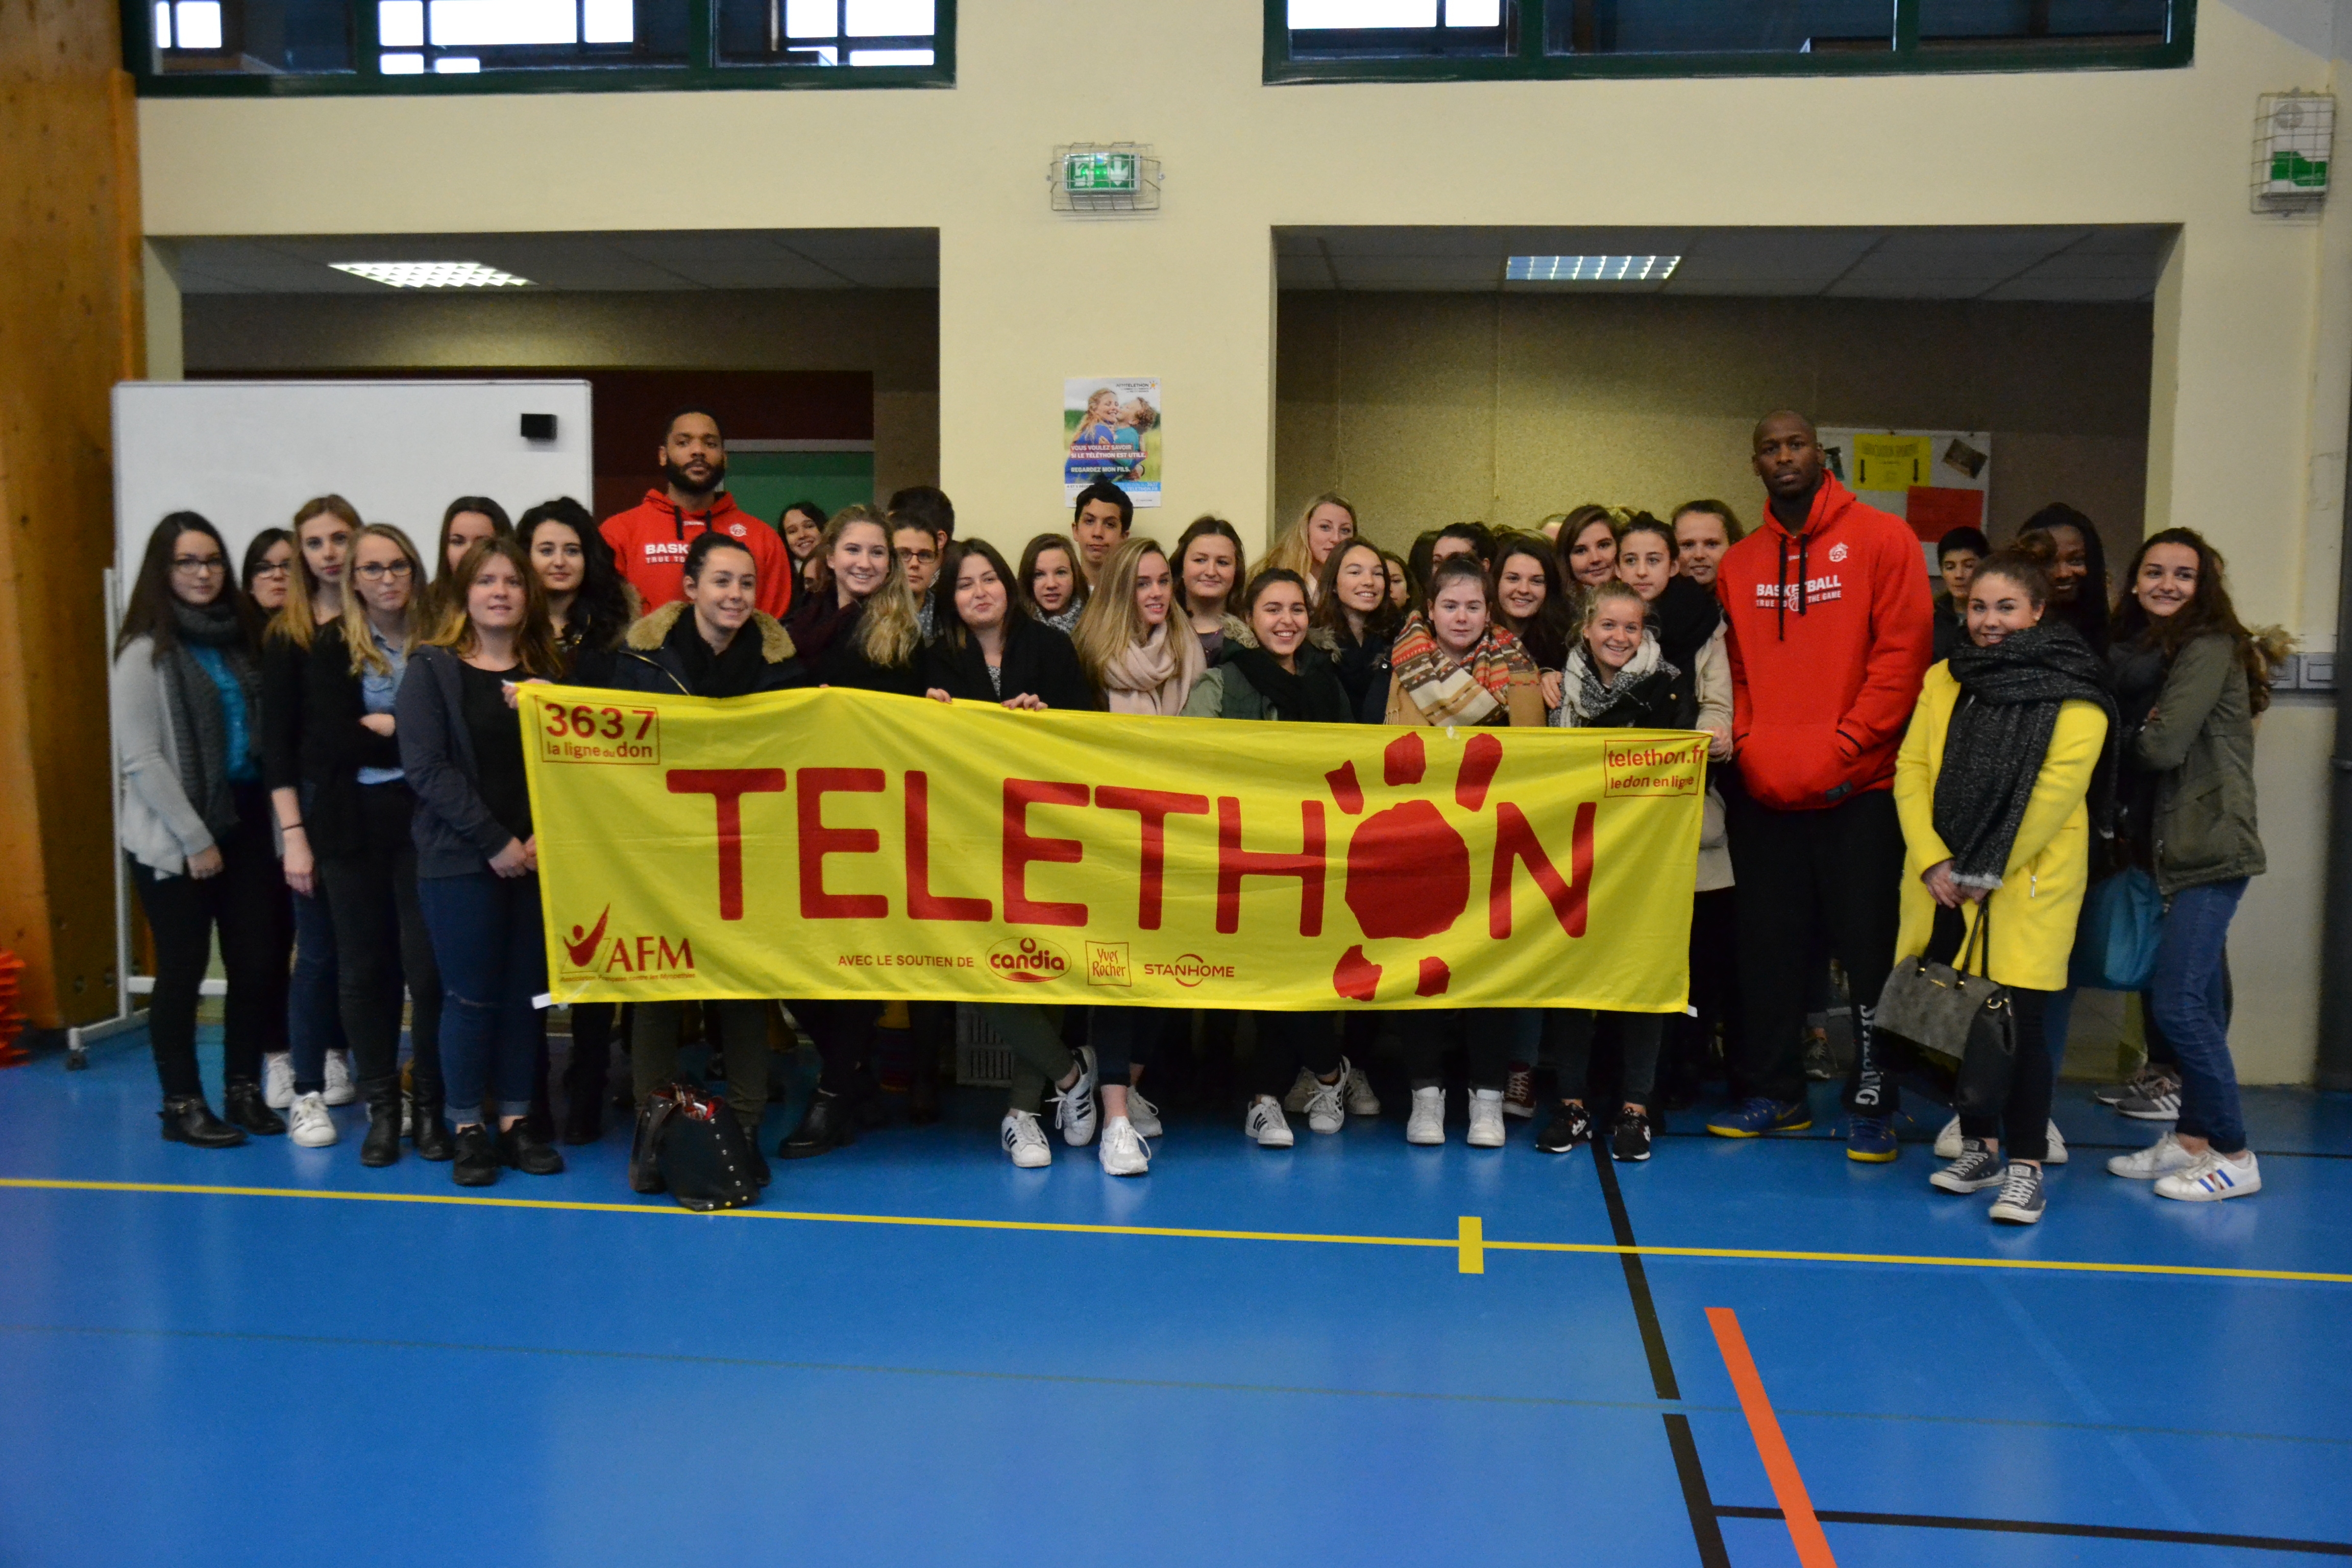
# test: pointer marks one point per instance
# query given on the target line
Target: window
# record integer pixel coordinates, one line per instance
(215, 46)
(1395, 40)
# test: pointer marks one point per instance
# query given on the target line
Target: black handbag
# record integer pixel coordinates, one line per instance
(1964, 1025)
(690, 1142)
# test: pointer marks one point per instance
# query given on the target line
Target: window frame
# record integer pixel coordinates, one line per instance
(702, 70)
(1529, 24)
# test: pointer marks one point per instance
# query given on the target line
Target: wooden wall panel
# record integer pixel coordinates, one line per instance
(69, 328)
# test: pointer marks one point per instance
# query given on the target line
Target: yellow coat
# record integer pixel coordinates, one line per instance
(2040, 895)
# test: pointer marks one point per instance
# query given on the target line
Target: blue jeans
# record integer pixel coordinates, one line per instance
(492, 955)
(314, 1019)
(2189, 997)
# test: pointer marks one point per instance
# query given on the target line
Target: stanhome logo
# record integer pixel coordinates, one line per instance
(1189, 969)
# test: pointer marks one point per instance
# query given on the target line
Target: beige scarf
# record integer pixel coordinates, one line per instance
(1158, 673)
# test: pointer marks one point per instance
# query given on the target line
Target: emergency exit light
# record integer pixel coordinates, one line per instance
(1101, 173)
(1104, 177)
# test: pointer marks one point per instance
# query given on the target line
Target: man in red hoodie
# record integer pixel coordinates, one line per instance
(1830, 637)
(649, 541)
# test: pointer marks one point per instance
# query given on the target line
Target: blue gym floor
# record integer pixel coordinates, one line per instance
(258, 1376)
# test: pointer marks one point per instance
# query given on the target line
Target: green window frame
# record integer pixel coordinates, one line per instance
(1527, 24)
(703, 68)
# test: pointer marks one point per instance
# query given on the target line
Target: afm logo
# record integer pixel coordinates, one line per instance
(591, 951)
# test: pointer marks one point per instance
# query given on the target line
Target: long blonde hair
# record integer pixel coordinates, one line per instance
(1111, 624)
(535, 639)
(295, 621)
(1292, 553)
(358, 635)
(889, 628)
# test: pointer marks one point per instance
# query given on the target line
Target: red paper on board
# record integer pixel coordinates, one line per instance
(1933, 510)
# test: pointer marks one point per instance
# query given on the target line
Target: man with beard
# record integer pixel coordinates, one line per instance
(650, 540)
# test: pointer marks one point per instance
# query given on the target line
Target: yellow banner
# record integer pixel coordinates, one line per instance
(842, 843)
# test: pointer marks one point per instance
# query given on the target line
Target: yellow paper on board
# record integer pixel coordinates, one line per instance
(1891, 462)
(829, 843)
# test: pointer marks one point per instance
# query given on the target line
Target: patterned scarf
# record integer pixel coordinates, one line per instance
(1584, 697)
(1449, 691)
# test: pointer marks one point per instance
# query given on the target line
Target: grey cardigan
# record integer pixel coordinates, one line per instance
(456, 834)
(158, 826)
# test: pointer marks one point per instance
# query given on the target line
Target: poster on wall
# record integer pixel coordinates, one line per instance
(1936, 480)
(1110, 430)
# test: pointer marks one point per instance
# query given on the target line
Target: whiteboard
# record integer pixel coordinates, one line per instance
(247, 453)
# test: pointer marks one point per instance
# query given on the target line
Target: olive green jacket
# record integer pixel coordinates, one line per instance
(2200, 740)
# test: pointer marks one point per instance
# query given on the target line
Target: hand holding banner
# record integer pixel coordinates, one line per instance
(831, 843)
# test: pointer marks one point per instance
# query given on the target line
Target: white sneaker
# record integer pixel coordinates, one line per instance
(309, 1126)
(1143, 1113)
(1948, 1142)
(2213, 1177)
(1301, 1090)
(1025, 1141)
(341, 1087)
(1075, 1111)
(1427, 1123)
(1124, 1154)
(277, 1079)
(1265, 1123)
(2057, 1154)
(2161, 1158)
(1519, 1092)
(1487, 1118)
(1326, 1108)
(1361, 1100)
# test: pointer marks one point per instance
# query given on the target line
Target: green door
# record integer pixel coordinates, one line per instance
(764, 483)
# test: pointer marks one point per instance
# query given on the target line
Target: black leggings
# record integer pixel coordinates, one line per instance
(1485, 1035)
(1288, 1041)
(246, 900)
(381, 940)
(2023, 1124)
(1568, 1046)
(844, 1033)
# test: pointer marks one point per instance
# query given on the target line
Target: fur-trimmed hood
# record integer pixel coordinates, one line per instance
(646, 636)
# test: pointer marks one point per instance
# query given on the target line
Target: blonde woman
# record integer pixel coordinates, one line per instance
(858, 625)
(1328, 521)
(1141, 655)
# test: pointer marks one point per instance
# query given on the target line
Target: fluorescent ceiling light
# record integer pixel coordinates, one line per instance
(1592, 268)
(431, 274)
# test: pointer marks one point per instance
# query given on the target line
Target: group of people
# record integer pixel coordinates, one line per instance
(321, 760)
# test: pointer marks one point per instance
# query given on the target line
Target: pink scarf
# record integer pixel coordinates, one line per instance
(1157, 675)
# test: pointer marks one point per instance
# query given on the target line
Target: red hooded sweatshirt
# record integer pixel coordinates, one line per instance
(1831, 637)
(650, 541)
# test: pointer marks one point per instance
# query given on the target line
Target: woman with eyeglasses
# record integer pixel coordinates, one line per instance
(194, 822)
(342, 744)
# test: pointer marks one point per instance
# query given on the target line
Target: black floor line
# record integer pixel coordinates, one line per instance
(1704, 1531)
(2038, 1527)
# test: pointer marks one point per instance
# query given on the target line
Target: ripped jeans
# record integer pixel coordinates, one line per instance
(487, 943)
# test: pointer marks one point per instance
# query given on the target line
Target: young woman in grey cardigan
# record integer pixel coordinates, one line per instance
(196, 823)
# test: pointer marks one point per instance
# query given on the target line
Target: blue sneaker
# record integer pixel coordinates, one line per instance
(1871, 1140)
(1763, 1114)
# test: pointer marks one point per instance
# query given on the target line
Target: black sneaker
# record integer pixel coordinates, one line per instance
(1570, 1127)
(1977, 1169)
(476, 1158)
(1631, 1143)
(523, 1147)
(2021, 1201)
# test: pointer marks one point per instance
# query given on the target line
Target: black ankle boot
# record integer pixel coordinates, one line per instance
(760, 1172)
(645, 1171)
(523, 1147)
(828, 1125)
(188, 1119)
(248, 1109)
(428, 1127)
(476, 1158)
(382, 1144)
(583, 1119)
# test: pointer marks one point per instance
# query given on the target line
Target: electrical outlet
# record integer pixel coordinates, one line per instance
(2317, 672)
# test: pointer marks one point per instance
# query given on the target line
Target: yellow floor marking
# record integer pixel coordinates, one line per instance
(1470, 1242)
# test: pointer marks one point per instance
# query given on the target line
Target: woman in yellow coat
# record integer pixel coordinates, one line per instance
(1994, 786)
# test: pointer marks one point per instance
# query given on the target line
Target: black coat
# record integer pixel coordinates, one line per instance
(1363, 669)
(1038, 662)
(646, 662)
(311, 738)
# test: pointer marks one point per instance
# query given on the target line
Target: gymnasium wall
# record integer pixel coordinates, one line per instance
(1425, 409)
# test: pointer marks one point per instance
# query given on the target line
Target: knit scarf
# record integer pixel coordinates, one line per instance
(1157, 674)
(1449, 691)
(1685, 616)
(2000, 736)
(199, 724)
(1314, 693)
(1586, 700)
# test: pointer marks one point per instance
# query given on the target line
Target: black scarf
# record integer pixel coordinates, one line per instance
(1313, 694)
(732, 671)
(1685, 616)
(2000, 736)
(199, 722)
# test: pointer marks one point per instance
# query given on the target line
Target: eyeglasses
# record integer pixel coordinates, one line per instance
(191, 564)
(917, 557)
(377, 570)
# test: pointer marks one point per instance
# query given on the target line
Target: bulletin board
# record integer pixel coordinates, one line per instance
(1936, 480)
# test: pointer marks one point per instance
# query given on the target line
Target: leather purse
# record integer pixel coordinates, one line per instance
(690, 1143)
(1963, 1023)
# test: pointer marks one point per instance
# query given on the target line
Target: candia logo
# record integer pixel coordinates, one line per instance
(1030, 960)
(589, 950)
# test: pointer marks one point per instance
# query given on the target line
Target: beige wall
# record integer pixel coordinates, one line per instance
(893, 333)
(2252, 365)
(1427, 408)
